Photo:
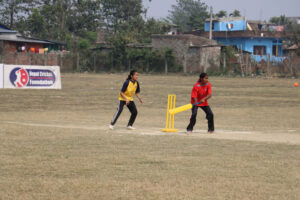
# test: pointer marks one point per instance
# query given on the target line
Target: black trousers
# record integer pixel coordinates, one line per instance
(209, 117)
(132, 108)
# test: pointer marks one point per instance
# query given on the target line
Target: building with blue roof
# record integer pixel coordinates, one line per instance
(256, 37)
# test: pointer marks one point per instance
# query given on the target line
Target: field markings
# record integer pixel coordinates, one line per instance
(284, 136)
(54, 125)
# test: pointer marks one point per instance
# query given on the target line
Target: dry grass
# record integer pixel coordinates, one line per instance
(56, 145)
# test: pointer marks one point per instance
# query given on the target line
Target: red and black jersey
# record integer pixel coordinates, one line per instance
(200, 91)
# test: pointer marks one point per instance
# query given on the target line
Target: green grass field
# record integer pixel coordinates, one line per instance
(55, 144)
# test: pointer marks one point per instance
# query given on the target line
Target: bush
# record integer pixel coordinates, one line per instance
(84, 44)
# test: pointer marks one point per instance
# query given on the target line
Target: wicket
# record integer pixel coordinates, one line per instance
(170, 117)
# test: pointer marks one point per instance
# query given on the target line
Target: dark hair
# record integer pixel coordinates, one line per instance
(132, 72)
(202, 76)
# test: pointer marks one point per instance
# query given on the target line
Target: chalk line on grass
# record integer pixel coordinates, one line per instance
(285, 136)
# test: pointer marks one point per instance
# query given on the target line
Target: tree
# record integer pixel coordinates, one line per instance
(76, 22)
(235, 13)
(221, 13)
(56, 19)
(11, 11)
(37, 23)
(157, 26)
(281, 20)
(292, 32)
(85, 16)
(117, 13)
(188, 14)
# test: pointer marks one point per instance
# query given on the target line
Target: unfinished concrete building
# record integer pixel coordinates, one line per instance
(196, 54)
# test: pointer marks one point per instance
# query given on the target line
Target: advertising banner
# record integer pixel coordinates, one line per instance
(1, 76)
(32, 77)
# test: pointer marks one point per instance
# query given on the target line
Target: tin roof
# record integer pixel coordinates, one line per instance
(3, 30)
(293, 47)
(7, 34)
(241, 34)
(226, 19)
(15, 38)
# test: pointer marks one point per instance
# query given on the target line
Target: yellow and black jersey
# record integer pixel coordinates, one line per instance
(129, 89)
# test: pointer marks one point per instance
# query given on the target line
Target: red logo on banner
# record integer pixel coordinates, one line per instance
(21, 78)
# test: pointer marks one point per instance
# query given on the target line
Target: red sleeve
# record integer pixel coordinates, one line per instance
(209, 89)
(194, 92)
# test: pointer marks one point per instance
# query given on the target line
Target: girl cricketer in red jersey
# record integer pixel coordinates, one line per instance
(201, 92)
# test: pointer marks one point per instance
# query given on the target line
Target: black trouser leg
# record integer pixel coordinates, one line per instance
(192, 119)
(118, 112)
(209, 117)
(132, 108)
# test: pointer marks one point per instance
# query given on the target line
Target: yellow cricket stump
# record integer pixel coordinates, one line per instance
(170, 117)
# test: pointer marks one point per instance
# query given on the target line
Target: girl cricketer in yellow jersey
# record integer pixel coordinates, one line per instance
(130, 88)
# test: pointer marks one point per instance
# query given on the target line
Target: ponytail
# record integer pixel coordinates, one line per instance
(132, 72)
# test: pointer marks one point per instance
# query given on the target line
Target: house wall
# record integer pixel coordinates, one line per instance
(247, 44)
(201, 59)
(65, 61)
(12, 46)
(179, 46)
(193, 59)
(238, 25)
(209, 58)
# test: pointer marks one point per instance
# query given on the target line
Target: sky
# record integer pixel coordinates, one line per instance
(251, 9)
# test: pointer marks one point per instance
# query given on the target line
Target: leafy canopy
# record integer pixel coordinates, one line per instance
(188, 14)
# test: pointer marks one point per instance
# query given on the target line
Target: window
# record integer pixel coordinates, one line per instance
(213, 24)
(275, 50)
(278, 51)
(259, 50)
